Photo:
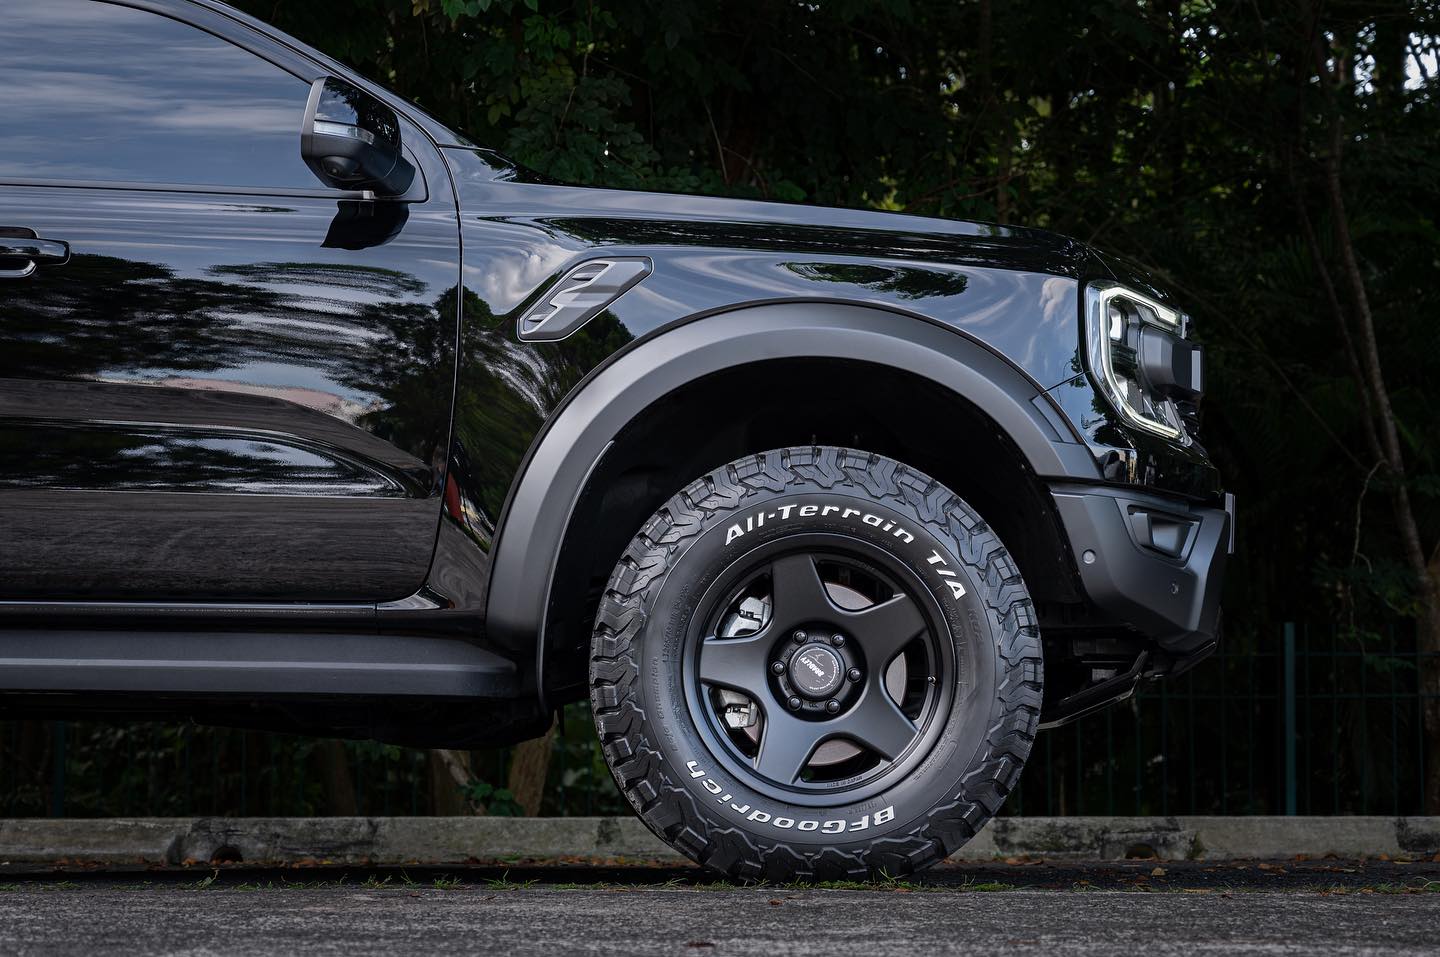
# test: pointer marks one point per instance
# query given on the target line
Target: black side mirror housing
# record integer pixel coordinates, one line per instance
(352, 141)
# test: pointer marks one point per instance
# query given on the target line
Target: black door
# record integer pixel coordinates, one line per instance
(218, 380)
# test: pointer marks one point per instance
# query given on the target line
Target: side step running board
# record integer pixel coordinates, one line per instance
(255, 664)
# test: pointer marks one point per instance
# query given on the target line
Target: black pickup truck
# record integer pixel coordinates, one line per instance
(317, 416)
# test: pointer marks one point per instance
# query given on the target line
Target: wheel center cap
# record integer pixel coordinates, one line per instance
(816, 671)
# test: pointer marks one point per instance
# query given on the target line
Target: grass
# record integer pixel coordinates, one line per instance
(503, 882)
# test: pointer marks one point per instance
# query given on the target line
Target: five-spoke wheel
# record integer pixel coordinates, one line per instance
(817, 667)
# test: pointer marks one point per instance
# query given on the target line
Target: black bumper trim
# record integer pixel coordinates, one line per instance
(1173, 600)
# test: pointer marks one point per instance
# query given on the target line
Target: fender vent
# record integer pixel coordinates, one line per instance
(580, 295)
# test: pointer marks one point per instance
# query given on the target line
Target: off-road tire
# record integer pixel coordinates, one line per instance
(651, 749)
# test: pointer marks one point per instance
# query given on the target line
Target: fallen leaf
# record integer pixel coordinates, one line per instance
(774, 902)
(1158, 872)
(698, 943)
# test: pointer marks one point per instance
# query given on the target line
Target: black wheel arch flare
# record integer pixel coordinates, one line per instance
(537, 512)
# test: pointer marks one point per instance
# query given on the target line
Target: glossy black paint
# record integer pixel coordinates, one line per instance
(1013, 290)
(250, 393)
(228, 393)
(198, 332)
(997, 284)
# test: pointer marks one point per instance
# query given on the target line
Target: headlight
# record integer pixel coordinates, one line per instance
(1138, 356)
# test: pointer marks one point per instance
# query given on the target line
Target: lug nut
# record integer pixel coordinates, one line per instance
(832, 706)
(800, 636)
(794, 703)
(853, 674)
(837, 640)
(778, 667)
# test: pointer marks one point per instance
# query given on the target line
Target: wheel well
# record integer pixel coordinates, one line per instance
(771, 404)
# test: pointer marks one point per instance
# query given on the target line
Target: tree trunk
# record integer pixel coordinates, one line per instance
(1427, 623)
(1430, 687)
(449, 775)
(252, 796)
(30, 762)
(335, 775)
(529, 768)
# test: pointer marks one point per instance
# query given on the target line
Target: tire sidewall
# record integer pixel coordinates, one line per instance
(923, 546)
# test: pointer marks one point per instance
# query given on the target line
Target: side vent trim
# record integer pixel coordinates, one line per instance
(580, 295)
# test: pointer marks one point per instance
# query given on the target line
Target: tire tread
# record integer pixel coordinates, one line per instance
(670, 811)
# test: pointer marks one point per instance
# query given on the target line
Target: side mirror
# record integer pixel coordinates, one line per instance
(352, 141)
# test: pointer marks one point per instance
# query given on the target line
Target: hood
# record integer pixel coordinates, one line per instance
(617, 216)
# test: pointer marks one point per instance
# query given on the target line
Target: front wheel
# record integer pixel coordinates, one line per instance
(816, 664)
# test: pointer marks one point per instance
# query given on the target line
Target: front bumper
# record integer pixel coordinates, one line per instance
(1152, 563)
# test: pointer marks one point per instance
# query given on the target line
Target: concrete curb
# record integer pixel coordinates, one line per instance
(470, 840)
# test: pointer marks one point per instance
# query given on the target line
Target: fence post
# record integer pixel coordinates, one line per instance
(1290, 735)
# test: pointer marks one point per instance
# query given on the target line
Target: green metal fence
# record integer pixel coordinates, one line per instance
(1313, 721)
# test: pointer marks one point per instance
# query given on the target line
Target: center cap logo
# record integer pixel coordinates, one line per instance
(816, 671)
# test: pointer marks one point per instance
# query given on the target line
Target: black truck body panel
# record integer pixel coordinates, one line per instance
(288, 409)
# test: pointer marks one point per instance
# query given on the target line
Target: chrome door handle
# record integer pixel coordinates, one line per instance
(34, 251)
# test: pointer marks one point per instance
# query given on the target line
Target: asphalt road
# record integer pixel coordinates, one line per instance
(1126, 908)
